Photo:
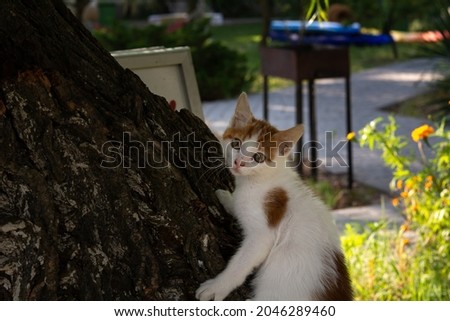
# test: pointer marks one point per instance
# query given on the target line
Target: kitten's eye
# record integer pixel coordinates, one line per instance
(236, 143)
(259, 157)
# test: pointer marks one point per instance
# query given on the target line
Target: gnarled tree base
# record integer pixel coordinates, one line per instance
(94, 204)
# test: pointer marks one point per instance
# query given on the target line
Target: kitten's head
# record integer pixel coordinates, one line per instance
(252, 146)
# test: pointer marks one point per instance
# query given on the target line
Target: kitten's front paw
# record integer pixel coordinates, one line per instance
(225, 199)
(212, 289)
(223, 195)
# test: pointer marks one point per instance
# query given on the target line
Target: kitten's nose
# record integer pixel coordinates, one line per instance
(239, 163)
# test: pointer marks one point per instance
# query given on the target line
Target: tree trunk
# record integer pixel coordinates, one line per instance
(105, 193)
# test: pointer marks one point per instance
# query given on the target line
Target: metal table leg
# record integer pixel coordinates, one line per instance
(266, 97)
(348, 113)
(313, 130)
(299, 120)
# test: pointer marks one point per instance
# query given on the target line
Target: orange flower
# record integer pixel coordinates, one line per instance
(351, 136)
(409, 184)
(404, 194)
(399, 184)
(429, 182)
(421, 132)
(414, 207)
(404, 228)
(395, 201)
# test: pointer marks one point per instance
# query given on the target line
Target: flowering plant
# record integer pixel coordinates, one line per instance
(421, 181)
(415, 260)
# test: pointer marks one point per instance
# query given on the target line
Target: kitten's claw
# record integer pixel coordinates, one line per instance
(211, 290)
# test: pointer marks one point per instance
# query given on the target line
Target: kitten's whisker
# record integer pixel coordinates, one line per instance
(213, 171)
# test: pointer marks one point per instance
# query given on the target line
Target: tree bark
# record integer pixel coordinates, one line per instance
(87, 209)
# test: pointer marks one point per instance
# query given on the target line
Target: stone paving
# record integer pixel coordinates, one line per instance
(372, 90)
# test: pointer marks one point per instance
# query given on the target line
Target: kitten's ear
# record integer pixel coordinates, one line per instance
(287, 139)
(242, 114)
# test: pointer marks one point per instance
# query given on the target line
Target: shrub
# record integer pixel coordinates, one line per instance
(221, 72)
(441, 49)
(411, 263)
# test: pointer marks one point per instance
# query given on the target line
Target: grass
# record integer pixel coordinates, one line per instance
(372, 56)
(391, 263)
(332, 190)
(421, 106)
(245, 37)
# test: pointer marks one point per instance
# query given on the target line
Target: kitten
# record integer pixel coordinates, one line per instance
(289, 235)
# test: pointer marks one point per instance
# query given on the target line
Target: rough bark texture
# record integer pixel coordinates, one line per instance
(69, 227)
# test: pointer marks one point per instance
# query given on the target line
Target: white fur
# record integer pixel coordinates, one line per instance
(289, 257)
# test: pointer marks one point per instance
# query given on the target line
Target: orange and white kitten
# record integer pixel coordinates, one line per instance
(289, 235)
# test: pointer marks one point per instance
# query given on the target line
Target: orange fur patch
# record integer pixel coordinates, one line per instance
(263, 129)
(337, 288)
(276, 206)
